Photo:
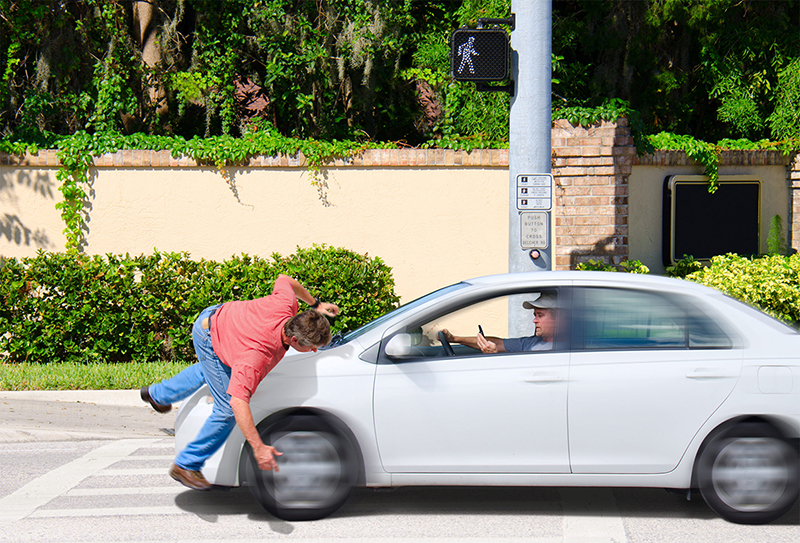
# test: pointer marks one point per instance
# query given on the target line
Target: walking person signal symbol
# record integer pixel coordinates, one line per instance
(479, 55)
(466, 51)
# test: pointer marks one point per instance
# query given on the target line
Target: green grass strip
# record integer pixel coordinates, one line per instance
(92, 376)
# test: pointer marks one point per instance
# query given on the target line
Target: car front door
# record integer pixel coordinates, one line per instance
(470, 412)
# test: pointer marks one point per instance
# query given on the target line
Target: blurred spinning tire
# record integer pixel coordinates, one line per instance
(317, 471)
(749, 474)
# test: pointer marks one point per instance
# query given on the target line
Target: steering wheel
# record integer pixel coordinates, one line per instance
(448, 349)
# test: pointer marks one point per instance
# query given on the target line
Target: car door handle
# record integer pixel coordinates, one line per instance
(702, 373)
(544, 378)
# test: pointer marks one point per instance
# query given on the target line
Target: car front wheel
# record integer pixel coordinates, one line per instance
(749, 474)
(317, 470)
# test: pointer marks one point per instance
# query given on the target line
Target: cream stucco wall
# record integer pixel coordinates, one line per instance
(434, 226)
(435, 216)
(29, 220)
(645, 187)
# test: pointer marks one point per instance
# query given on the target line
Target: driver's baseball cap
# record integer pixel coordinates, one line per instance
(542, 301)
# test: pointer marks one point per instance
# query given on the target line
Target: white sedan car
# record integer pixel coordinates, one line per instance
(647, 382)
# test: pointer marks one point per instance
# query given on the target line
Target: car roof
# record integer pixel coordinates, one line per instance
(598, 277)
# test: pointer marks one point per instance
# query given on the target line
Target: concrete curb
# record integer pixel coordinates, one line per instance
(124, 398)
(78, 415)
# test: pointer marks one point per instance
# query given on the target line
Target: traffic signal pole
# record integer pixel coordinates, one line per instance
(531, 220)
(482, 55)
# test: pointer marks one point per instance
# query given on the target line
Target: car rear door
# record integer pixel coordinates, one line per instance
(647, 370)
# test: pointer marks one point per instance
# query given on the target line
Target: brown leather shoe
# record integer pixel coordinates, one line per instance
(144, 392)
(192, 479)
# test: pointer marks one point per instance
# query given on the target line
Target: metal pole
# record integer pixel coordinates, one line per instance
(529, 139)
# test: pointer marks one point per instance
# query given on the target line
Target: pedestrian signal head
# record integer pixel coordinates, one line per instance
(479, 54)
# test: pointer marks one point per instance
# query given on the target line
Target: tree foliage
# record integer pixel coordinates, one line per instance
(706, 68)
(369, 69)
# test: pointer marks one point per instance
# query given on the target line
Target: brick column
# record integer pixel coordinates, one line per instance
(591, 167)
(793, 175)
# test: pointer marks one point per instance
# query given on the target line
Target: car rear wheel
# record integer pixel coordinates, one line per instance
(317, 470)
(749, 474)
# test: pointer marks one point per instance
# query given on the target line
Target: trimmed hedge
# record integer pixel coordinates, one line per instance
(769, 282)
(73, 307)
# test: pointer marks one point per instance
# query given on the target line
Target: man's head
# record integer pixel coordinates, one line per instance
(544, 315)
(308, 331)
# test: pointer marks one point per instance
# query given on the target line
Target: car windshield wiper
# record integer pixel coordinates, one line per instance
(337, 338)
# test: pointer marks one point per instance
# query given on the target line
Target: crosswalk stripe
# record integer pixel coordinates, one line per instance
(131, 471)
(361, 540)
(140, 491)
(594, 521)
(141, 457)
(215, 509)
(54, 483)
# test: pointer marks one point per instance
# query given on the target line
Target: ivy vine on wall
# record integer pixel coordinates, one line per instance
(76, 152)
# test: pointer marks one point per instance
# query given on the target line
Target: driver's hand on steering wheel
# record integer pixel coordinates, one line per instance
(486, 346)
(448, 336)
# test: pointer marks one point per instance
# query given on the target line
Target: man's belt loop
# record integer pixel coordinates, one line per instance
(207, 321)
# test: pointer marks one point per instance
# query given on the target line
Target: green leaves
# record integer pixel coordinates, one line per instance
(628, 266)
(769, 282)
(76, 153)
(609, 111)
(784, 121)
(58, 307)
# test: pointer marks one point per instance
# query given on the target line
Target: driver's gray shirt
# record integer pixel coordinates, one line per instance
(524, 344)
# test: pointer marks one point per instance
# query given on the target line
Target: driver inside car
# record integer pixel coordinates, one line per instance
(544, 319)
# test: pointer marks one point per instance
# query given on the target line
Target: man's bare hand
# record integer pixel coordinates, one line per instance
(448, 336)
(265, 456)
(486, 346)
(328, 309)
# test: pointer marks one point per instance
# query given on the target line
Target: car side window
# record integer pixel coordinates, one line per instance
(704, 333)
(629, 319)
(460, 327)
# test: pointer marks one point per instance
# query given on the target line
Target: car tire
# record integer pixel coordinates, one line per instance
(748, 474)
(317, 470)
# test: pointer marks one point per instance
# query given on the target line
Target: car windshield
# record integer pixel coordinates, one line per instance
(341, 339)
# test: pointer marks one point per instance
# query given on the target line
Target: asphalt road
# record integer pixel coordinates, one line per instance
(87, 468)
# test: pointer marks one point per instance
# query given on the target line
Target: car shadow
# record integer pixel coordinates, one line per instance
(478, 501)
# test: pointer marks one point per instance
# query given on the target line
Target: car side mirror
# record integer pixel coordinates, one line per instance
(399, 345)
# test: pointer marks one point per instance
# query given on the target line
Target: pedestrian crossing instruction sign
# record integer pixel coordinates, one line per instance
(535, 207)
(479, 54)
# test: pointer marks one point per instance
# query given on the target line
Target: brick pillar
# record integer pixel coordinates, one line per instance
(591, 166)
(793, 174)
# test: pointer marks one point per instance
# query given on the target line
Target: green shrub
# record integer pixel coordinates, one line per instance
(769, 282)
(629, 266)
(72, 307)
(684, 267)
(635, 266)
(595, 265)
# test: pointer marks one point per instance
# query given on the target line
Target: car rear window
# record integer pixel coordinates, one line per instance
(618, 318)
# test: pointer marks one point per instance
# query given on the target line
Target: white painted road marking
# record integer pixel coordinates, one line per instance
(138, 491)
(40, 491)
(591, 516)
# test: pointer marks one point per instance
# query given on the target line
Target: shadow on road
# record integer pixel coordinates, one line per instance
(474, 501)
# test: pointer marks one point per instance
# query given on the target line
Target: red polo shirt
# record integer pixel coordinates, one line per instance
(246, 335)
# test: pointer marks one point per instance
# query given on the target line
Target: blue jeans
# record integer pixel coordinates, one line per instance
(211, 371)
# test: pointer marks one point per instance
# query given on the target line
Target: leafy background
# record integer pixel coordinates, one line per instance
(368, 70)
(122, 308)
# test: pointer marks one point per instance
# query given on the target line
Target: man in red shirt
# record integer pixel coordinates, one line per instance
(237, 344)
